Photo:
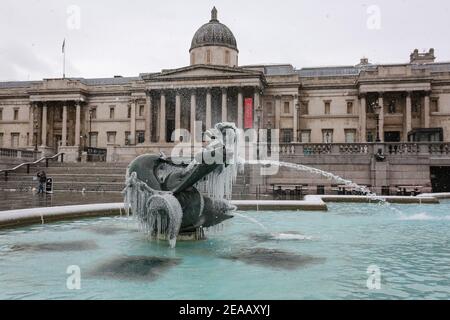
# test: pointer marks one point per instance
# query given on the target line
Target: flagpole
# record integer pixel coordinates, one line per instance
(64, 58)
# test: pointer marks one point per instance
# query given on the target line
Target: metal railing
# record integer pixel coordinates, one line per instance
(96, 154)
(29, 164)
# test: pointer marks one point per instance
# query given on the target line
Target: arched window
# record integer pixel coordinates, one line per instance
(208, 56)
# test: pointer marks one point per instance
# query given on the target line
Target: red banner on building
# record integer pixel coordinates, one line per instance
(248, 113)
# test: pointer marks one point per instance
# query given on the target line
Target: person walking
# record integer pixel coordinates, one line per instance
(42, 179)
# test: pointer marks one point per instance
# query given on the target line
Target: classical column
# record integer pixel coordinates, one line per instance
(133, 122)
(208, 109)
(224, 105)
(31, 125)
(407, 127)
(77, 124)
(256, 106)
(426, 111)
(381, 104)
(193, 112)
(277, 112)
(363, 119)
(177, 116)
(148, 120)
(64, 126)
(240, 118)
(44, 125)
(162, 119)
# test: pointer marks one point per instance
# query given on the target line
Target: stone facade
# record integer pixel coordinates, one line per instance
(308, 105)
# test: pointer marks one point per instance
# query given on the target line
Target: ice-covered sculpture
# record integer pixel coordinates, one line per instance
(163, 193)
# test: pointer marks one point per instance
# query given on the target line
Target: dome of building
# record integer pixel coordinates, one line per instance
(214, 33)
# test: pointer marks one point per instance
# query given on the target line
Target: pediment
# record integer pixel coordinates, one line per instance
(202, 72)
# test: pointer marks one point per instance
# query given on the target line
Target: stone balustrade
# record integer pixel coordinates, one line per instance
(393, 149)
(18, 153)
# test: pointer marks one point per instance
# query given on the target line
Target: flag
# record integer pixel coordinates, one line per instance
(64, 46)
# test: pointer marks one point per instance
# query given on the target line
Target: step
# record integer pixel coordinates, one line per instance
(75, 170)
(90, 164)
(86, 186)
(70, 178)
(65, 186)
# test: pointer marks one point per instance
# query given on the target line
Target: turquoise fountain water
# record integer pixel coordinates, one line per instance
(117, 261)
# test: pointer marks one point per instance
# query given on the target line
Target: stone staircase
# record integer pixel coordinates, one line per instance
(90, 177)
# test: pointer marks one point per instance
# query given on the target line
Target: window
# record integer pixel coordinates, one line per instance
(129, 112)
(327, 107)
(305, 136)
(16, 114)
(111, 137)
(28, 139)
(141, 110)
(15, 140)
(140, 136)
(350, 135)
(93, 139)
(415, 108)
(392, 107)
(269, 108)
(434, 106)
(349, 107)
(93, 113)
(227, 57)
(1, 139)
(111, 112)
(286, 135)
(208, 56)
(59, 113)
(327, 136)
(370, 136)
(287, 107)
(127, 138)
(305, 108)
(1, 113)
(370, 106)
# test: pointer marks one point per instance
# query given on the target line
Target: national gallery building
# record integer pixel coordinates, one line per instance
(361, 103)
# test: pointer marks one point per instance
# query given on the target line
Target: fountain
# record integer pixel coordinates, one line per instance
(163, 194)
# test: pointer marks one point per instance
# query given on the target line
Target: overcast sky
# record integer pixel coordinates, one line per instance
(106, 38)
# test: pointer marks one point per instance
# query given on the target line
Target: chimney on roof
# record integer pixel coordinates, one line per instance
(364, 61)
(420, 58)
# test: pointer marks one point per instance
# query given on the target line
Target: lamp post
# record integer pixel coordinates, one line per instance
(377, 109)
(297, 107)
(90, 126)
(258, 114)
(269, 138)
(35, 127)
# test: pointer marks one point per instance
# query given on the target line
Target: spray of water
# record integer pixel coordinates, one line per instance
(330, 176)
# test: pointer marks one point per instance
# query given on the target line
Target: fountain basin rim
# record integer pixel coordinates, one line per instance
(25, 217)
(428, 199)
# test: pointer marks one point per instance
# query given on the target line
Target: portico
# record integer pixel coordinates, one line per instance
(402, 109)
(56, 116)
(209, 94)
